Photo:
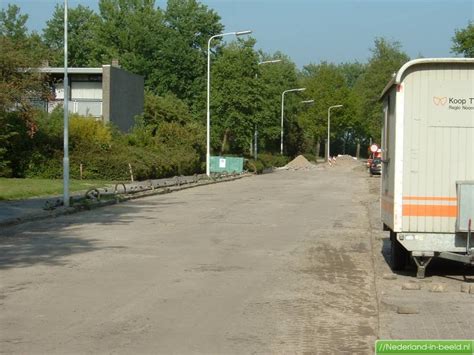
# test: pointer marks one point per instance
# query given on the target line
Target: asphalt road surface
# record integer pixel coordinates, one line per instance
(279, 263)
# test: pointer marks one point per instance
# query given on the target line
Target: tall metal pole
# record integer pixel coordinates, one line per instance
(66, 115)
(329, 129)
(281, 131)
(282, 114)
(208, 106)
(255, 138)
(208, 110)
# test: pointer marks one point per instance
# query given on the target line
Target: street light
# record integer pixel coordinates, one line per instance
(329, 128)
(269, 61)
(255, 134)
(282, 113)
(66, 118)
(307, 101)
(208, 119)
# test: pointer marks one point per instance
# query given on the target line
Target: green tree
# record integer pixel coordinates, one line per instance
(82, 32)
(387, 57)
(233, 96)
(463, 41)
(13, 23)
(20, 88)
(352, 72)
(166, 108)
(131, 31)
(20, 83)
(168, 47)
(182, 68)
(327, 85)
(13, 27)
(272, 80)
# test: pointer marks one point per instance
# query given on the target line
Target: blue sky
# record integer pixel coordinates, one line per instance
(310, 31)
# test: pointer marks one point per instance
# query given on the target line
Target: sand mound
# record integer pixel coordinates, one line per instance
(300, 162)
(345, 160)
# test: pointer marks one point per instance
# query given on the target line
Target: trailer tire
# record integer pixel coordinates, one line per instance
(398, 255)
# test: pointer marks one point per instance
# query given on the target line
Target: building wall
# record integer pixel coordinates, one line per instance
(84, 92)
(123, 97)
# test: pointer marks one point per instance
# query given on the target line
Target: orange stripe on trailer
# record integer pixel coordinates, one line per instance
(387, 206)
(429, 211)
(429, 198)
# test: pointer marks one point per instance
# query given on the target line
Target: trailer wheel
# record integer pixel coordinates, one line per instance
(398, 255)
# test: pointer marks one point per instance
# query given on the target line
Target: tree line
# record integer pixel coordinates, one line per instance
(168, 47)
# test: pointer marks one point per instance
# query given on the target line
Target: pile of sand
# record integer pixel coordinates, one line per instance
(344, 160)
(299, 163)
(347, 158)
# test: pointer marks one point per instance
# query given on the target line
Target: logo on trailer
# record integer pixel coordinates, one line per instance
(440, 100)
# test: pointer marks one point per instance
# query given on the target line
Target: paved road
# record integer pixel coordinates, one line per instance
(280, 263)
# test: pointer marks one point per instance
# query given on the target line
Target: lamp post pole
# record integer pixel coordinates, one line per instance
(66, 116)
(329, 129)
(282, 113)
(255, 135)
(208, 109)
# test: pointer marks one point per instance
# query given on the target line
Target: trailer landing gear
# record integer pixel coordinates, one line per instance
(421, 264)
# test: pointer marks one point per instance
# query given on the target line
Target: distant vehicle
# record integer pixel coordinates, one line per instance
(374, 152)
(375, 167)
(427, 187)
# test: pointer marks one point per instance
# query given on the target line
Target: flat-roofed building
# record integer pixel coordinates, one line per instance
(109, 93)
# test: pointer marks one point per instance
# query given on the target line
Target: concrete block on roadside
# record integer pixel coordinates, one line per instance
(389, 276)
(411, 286)
(438, 288)
(471, 289)
(407, 310)
(465, 288)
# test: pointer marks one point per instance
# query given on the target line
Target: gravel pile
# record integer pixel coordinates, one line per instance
(346, 159)
(299, 163)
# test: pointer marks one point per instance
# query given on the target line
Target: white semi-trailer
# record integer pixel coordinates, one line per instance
(427, 197)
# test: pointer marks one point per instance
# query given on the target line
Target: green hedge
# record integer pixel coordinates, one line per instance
(265, 161)
(168, 150)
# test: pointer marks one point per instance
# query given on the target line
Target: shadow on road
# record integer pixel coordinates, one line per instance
(47, 249)
(437, 267)
(50, 241)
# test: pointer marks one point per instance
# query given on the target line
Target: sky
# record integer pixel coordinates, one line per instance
(310, 31)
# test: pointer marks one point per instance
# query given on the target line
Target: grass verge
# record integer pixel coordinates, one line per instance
(15, 189)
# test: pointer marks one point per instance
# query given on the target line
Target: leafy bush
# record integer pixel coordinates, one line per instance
(169, 144)
(17, 144)
(153, 152)
(310, 157)
(270, 160)
(265, 161)
(88, 131)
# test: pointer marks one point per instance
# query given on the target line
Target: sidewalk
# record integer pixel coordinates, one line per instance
(20, 211)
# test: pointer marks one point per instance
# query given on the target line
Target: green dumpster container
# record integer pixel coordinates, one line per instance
(226, 164)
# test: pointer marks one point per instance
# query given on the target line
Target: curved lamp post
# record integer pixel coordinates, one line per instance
(208, 111)
(329, 128)
(282, 113)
